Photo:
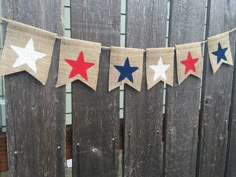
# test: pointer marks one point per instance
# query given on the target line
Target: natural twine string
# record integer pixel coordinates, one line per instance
(107, 48)
(4, 19)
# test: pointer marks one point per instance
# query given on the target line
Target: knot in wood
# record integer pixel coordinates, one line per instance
(207, 101)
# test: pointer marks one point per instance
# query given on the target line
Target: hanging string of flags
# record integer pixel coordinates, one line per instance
(30, 49)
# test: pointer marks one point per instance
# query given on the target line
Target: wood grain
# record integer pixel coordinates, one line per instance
(35, 113)
(216, 99)
(3, 152)
(182, 105)
(96, 114)
(230, 170)
(143, 146)
(97, 21)
(95, 124)
(146, 23)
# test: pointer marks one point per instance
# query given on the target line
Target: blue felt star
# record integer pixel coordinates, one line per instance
(126, 71)
(220, 53)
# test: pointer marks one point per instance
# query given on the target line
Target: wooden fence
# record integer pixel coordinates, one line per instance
(196, 137)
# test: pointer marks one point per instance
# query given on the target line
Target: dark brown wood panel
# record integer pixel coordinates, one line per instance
(216, 98)
(182, 102)
(96, 113)
(36, 113)
(69, 142)
(143, 146)
(97, 21)
(3, 152)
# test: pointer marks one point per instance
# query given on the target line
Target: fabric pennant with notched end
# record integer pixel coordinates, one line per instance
(159, 66)
(126, 67)
(219, 51)
(27, 49)
(79, 60)
(189, 60)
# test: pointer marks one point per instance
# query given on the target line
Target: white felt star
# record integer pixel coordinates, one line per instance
(160, 70)
(27, 55)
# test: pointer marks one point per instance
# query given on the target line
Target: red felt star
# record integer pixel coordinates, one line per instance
(79, 66)
(189, 63)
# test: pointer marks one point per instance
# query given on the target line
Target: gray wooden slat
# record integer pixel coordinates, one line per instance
(143, 151)
(95, 124)
(182, 101)
(146, 23)
(96, 113)
(216, 98)
(143, 147)
(35, 113)
(230, 170)
(97, 21)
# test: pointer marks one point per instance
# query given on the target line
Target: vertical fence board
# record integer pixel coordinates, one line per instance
(97, 21)
(230, 170)
(216, 98)
(96, 113)
(95, 124)
(35, 113)
(182, 106)
(143, 148)
(146, 23)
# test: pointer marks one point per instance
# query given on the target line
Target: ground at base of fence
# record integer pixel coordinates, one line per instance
(68, 173)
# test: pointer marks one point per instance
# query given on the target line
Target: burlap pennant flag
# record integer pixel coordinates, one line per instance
(219, 51)
(79, 60)
(28, 49)
(189, 60)
(159, 66)
(126, 67)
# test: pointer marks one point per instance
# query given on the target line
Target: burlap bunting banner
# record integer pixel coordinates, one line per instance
(189, 60)
(30, 49)
(27, 48)
(126, 67)
(79, 60)
(219, 51)
(159, 66)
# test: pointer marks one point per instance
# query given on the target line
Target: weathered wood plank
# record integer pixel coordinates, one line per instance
(35, 113)
(230, 170)
(143, 147)
(143, 152)
(95, 124)
(182, 105)
(216, 98)
(146, 23)
(97, 21)
(96, 113)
